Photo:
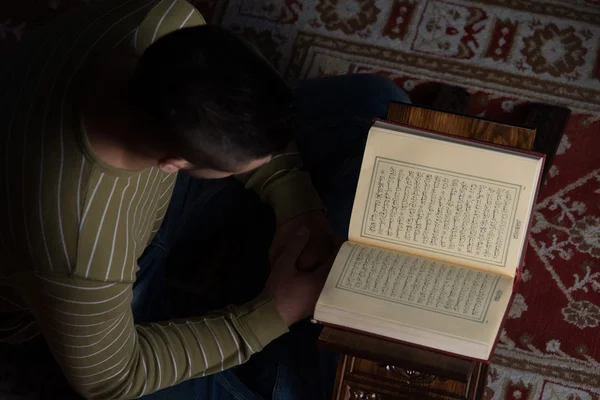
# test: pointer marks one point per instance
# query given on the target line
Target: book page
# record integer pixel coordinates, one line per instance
(412, 291)
(440, 211)
(419, 282)
(444, 200)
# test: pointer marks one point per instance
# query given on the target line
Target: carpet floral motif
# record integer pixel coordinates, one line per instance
(582, 314)
(585, 235)
(348, 16)
(558, 52)
(451, 30)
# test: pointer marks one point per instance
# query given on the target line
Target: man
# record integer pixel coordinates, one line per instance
(120, 123)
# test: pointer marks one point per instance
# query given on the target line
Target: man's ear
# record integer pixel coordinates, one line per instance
(173, 164)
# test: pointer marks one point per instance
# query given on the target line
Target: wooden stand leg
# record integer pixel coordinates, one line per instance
(452, 99)
(338, 390)
(549, 122)
(481, 382)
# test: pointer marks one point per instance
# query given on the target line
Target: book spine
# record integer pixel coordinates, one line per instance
(528, 230)
(457, 355)
(508, 307)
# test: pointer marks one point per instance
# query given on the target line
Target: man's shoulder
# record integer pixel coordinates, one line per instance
(63, 212)
(167, 16)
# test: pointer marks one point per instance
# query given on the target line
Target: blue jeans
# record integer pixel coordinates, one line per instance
(211, 249)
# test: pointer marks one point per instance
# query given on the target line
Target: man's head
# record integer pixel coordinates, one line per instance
(216, 106)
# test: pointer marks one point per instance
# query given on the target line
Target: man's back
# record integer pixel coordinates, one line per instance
(75, 226)
(67, 212)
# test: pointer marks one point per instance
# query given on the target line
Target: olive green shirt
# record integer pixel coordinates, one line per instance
(73, 227)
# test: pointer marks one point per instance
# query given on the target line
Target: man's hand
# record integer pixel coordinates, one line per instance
(321, 245)
(295, 291)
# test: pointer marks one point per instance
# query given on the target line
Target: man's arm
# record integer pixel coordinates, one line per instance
(288, 189)
(284, 185)
(90, 329)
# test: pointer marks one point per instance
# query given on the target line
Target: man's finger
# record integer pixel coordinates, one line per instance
(319, 253)
(319, 275)
(292, 250)
(311, 257)
(325, 267)
(276, 249)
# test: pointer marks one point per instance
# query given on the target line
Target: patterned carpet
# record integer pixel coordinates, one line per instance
(508, 54)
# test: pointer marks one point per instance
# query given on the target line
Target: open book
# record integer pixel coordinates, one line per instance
(438, 232)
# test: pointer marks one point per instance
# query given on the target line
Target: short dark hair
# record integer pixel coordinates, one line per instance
(215, 99)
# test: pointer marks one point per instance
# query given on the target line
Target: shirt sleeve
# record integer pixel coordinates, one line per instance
(90, 330)
(166, 17)
(284, 185)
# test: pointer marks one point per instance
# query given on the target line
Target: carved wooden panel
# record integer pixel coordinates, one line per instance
(359, 391)
(371, 372)
(386, 352)
(410, 376)
(359, 394)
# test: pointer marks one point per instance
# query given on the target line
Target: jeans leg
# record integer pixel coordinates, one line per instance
(189, 195)
(336, 114)
(222, 386)
(198, 211)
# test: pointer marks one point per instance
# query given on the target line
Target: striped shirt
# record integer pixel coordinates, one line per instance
(72, 226)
